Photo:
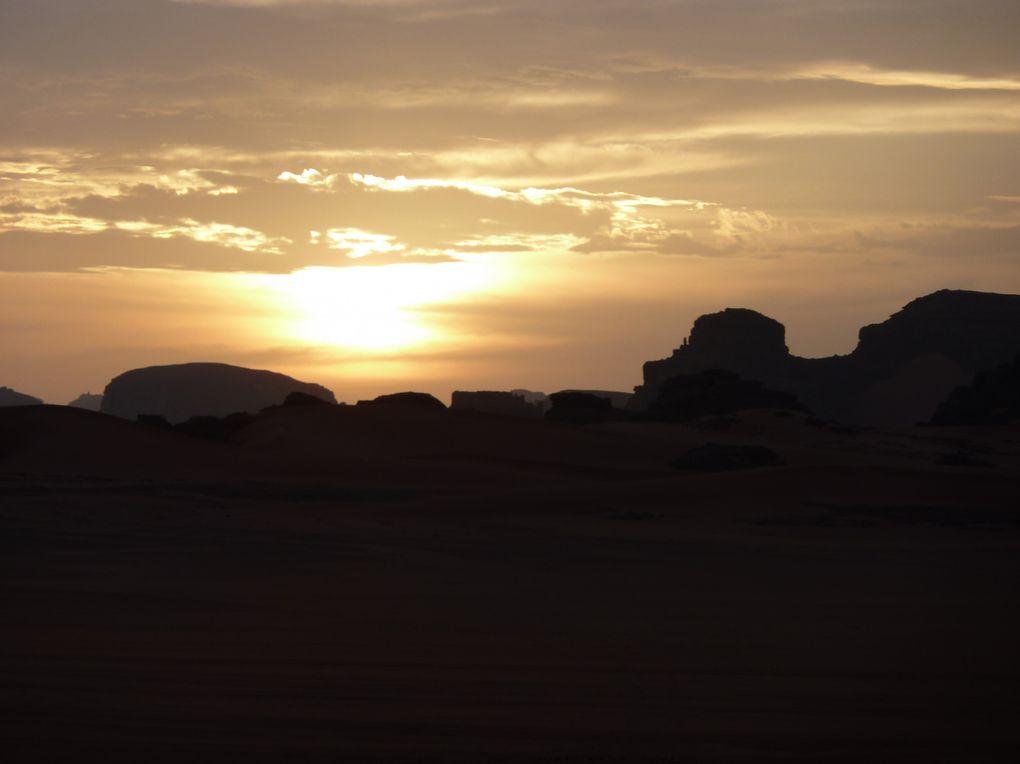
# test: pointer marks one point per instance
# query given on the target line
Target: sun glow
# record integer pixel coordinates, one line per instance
(373, 308)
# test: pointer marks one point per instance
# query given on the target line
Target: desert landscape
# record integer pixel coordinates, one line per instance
(402, 581)
(509, 381)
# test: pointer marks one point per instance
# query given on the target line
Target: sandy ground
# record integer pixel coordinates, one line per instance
(363, 586)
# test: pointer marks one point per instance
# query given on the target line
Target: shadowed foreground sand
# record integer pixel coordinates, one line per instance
(356, 585)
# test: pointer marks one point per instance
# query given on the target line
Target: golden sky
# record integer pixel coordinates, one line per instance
(381, 195)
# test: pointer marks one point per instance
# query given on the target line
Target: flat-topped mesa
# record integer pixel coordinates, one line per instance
(975, 330)
(736, 339)
(181, 391)
(739, 333)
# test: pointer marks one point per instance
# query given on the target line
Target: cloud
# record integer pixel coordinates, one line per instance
(224, 234)
(622, 212)
(871, 75)
(54, 251)
(308, 177)
(356, 243)
(620, 221)
(590, 137)
(518, 242)
(960, 241)
(571, 197)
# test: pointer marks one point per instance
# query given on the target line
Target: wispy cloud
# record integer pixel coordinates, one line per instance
(872, 75)
(356, 243)
(224, 234)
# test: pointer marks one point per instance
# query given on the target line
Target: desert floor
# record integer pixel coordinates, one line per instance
(346, 584)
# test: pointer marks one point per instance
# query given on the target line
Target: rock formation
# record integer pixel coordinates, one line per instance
(216, 428)
(183, 391)
(708, 393)
(899, 372)
(9, 397)
(993, 397)
(88, 401)
(619, 400)
(496, 402)
(305, 399)
(409, 400)
(579, 408)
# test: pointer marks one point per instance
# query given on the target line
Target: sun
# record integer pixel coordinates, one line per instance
(372, 308)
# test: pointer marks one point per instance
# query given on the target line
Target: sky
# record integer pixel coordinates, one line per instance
(384, 195)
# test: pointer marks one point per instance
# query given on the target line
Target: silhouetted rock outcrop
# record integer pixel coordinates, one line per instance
(207, 427)
(496, 402)
(88, 401)
(619, 400)
(304, 399)
(216, 428)
(183, 391)
(993, 397)
(899, 372)
(579, 408)
(409, 400)
(9, 397)
(717, 457)
(714, 392)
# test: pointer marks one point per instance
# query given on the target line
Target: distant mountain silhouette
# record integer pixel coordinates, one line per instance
(180, 392)
(708, 393)
(88, 401)
(9, 397)
(993, 397)
(900, 371)
(496, 402)
(533, 396)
